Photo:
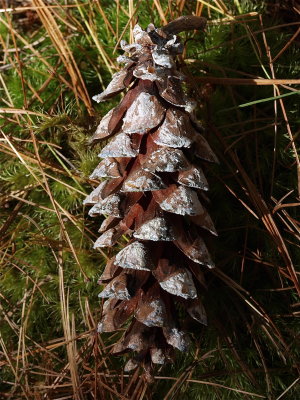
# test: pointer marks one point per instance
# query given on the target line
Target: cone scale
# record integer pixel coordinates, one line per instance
(151, 191)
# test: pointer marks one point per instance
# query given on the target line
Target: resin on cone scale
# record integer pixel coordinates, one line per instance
(152, 193)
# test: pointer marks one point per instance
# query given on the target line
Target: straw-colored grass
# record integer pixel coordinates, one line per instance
(244, 73)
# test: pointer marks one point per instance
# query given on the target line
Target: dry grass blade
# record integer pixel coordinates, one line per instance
(287, 389)
(245, 81)
(70, 335)
(216, 385)
(286, 45)
(22, 112)
(160, 11)
(65, 53)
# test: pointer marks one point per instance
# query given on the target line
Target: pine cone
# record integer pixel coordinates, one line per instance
(152, 194)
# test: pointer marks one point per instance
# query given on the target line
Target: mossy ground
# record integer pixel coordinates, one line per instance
(48, 284)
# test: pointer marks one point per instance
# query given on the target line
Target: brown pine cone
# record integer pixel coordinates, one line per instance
(152, 194)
